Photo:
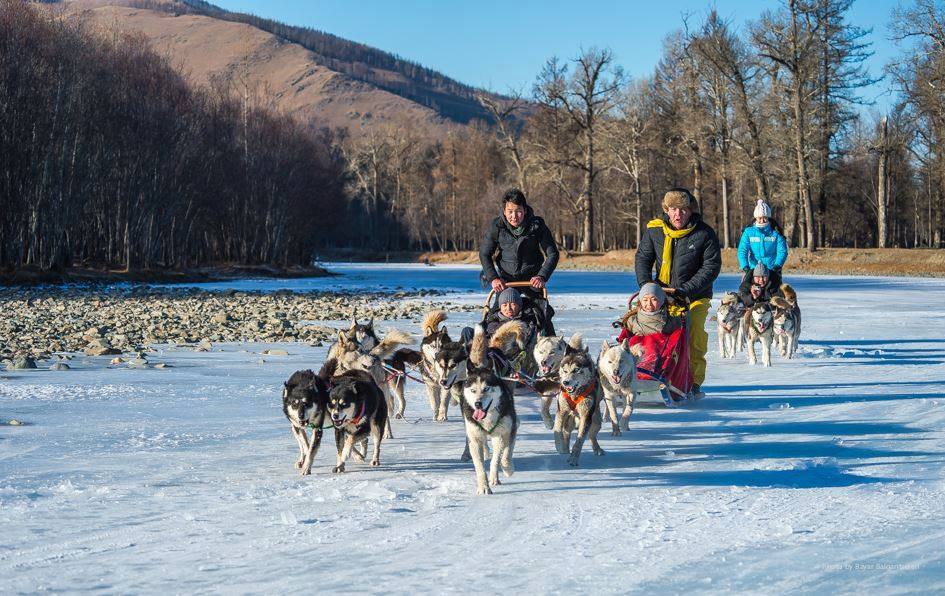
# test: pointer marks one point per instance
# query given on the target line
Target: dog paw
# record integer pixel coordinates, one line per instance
(573, 461)
(375, 462)
(338, 469)
(494, 481)
(484, 490)
(298, 464)
(615, 432)
(598, 451)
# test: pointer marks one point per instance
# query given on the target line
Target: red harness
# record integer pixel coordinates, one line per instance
(573, 402)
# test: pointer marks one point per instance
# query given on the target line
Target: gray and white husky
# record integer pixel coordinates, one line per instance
(578, 405)
(443, 363)
(759, 322)
(363, 338)
(548, 353)
(617, 370)
(488, 410)
(787, 321)
(729, 318)
(349, 357)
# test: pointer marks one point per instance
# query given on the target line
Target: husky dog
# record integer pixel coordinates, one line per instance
(489, 412)
(350, 358)
(617, 369)
(548, 352)
(729, 317)
(304, 403)
(578, 405)
(760, 325)
(361, 334)
(443, 363)
(358, 409)
(506, 344)
(787, 321)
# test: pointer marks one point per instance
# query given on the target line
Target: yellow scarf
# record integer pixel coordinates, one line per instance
(666, 267)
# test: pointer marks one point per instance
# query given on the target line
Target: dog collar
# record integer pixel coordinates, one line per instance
(357, 419)
(573, 402)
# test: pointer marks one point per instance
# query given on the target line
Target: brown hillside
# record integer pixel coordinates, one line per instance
(286, 73)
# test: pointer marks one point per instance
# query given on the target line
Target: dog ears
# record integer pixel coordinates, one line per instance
(625, 344)
(605, 346)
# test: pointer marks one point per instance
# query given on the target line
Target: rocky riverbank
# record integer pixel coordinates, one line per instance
(38, 323)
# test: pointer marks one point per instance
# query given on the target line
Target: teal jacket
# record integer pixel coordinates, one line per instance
(765, 245)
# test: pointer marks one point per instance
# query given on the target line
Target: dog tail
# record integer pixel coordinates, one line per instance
(405, 356)
(391, 342)
(789, 294)
(477, 351)
(781, 303)
(509, 335)
(576, 341)
(328, 369)
(431, 322)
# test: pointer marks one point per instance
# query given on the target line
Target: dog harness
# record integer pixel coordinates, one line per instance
(573, 402)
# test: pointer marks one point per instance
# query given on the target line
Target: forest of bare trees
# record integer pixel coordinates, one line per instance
(772, 111)
(107, 157)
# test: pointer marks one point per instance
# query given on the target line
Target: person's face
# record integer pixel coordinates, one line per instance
(679, 217)
(760, 280)
(514, 214)
(510, 309)
(649, 303)
(762, 220)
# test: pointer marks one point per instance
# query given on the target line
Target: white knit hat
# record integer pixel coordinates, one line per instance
(762, 209)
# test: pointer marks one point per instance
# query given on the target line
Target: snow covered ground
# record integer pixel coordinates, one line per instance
(823, 474)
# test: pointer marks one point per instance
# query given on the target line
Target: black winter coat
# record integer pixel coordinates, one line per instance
(519, 258)
(769, 291)
(697, 259)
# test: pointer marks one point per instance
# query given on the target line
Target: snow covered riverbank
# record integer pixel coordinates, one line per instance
(820, 474)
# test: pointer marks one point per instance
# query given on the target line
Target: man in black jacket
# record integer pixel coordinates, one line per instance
(686, 256)
(518, 246)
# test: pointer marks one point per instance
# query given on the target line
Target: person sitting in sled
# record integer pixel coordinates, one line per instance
(762, 242)
(512, 308)
(760, 287)
(650, 316)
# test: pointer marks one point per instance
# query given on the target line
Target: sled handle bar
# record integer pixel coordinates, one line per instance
(516, 284)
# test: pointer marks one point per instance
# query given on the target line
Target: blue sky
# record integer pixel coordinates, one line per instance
(502, 45)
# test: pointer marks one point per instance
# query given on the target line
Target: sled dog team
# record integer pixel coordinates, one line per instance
(765, 322)
(360, 386)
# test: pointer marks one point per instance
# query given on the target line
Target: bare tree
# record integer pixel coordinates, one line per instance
(587, 94)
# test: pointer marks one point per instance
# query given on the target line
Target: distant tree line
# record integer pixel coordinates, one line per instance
(107, 157)
(774, 112)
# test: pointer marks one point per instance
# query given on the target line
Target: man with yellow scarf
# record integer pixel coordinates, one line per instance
(684, 254)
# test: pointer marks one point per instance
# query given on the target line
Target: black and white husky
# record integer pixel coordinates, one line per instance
(759, 321)
(548, 353)
(489, 413)
(443, 363)
(305, 404)
(358, 410)
(578, 405)
(787, 321)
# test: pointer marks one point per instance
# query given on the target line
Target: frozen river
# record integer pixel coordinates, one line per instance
(822, 474)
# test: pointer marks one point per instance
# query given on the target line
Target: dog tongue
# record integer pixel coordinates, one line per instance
(479, 415)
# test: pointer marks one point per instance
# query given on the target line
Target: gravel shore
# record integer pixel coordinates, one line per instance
(39, 323)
